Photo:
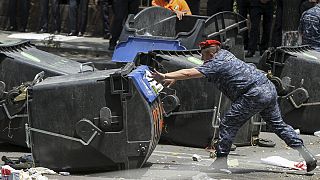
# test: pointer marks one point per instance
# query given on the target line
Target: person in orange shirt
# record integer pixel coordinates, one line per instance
(180, 7)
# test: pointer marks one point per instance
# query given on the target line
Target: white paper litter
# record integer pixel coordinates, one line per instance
(43, 36)
(41, 170)
(283, 162)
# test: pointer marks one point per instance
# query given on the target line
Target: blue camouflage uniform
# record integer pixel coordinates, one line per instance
(250, 92)
(309, 27)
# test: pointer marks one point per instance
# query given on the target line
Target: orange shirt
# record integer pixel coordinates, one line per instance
(180, 5)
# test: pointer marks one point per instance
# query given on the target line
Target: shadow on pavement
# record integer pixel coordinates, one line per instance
(6, 147)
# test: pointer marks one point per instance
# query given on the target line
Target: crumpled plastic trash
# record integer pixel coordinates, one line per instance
(283, 162)
(196, 157)
(41, 170)
(40, 177)
(31, 174)
(26, 176)
(24, 162)
(6, 170)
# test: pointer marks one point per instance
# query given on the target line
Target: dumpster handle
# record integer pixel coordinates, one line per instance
(303, 104)
(28, 129)
(14, 116)
(189, 112)
(88, 64)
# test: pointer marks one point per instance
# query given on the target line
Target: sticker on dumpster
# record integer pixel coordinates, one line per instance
(146, 85)
(29, 56)
(195, 60)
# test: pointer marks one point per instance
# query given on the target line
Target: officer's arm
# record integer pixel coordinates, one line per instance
(184, 74)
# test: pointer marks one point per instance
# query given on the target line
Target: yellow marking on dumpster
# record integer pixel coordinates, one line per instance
(195, 60)
(310, 56)
(29, 56)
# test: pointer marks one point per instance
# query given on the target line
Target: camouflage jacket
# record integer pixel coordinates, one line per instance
(232, 76)
(310, 27)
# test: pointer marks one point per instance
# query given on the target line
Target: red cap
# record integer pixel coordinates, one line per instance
(208, 43)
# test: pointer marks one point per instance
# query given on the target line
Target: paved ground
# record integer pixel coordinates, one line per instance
(81, 49)
(175, 162)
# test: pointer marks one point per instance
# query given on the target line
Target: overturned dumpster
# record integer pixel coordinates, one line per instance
(159, 26)
(194, 107)
(19, 65)
(101, 120)
(295, 72)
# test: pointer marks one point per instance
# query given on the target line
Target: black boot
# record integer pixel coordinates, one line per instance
(308, 157)
(220, 164)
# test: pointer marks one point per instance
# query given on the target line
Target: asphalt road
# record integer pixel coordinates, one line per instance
(175, 162)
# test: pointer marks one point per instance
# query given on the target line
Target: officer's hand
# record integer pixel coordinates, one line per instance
(169, 82)
(159, 77)
(180, 14)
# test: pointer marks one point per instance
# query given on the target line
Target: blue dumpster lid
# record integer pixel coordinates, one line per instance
(127, 51)
(146, 85)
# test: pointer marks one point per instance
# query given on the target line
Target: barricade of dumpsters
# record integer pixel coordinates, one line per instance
(114, 118)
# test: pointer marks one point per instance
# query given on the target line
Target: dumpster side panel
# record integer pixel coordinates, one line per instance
(66, 123)
(20, 63)
(304, 71)
(57, 108)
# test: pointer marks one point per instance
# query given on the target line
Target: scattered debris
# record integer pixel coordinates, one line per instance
(226, 171)
(41, 170)
(196, 157)
(282, 162)
(7, 172)
(23, 162)
(64, 173)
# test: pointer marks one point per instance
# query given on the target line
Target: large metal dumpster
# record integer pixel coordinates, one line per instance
(296, 76)
(102, 120)
(195, 121)
(19, 64)
(127, 51)
(160, 24)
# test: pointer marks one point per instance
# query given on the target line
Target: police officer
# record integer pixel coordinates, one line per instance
(307, 4)
(104, 6)
(244, 9)
(24, 4)
(121, 9)
(250, 92)
(216, 6)
(309, 27)
(277, 28)
(74, 21)
(44, 11)
(260, 8)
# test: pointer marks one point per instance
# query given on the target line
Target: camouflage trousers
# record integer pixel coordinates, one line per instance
(259, 99)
